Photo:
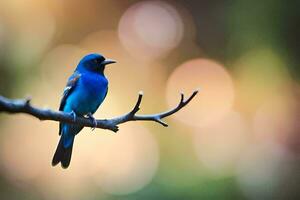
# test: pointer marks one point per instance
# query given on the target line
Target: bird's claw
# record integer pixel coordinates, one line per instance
(73, 115)
(90, 116)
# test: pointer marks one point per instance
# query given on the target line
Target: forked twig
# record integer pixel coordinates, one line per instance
(24, 106)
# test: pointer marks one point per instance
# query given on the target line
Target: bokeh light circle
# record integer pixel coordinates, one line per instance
(216, 94)
(219, 147)
(274, 120)
(126, 161)
(149, 29)
(259, 74)
(259, 170)
(26, 157)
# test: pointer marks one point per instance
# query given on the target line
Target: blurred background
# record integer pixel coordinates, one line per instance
(238, 139)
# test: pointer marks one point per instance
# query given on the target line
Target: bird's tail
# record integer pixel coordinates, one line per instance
(63, 154)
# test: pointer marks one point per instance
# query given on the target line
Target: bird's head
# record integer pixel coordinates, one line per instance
(94, 63)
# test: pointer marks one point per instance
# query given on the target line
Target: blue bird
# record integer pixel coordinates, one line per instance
(85, 91)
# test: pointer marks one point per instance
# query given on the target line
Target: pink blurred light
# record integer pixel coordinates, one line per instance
(150, 29)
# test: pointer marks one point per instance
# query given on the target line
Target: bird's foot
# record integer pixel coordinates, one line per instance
(90, 116)
(73, 115)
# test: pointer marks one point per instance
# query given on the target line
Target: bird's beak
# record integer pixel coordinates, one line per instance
(108, 61)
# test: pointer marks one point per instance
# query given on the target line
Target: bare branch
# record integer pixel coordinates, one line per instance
(24, 106)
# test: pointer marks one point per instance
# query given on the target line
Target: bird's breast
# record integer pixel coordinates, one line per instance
(94, 86)
(90, 94)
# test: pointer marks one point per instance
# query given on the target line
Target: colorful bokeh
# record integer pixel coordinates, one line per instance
(238, 139)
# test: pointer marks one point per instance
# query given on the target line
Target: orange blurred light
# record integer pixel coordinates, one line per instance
(216, 91)
(24, 150)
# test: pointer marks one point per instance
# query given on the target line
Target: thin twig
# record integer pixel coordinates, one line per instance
(24, 106)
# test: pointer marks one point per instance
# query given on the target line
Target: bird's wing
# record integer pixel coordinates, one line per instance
(72, 82)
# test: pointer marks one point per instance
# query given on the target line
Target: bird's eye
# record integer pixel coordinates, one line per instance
(95, 61)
